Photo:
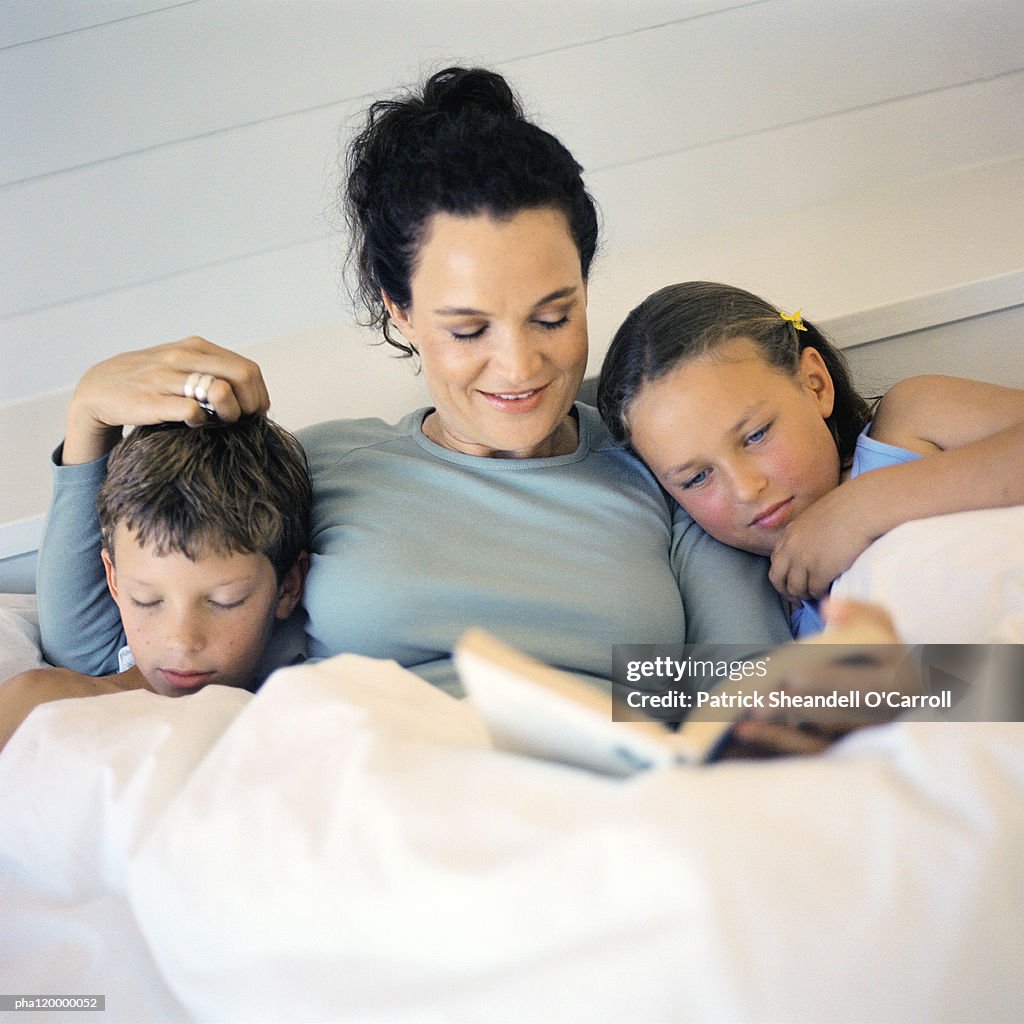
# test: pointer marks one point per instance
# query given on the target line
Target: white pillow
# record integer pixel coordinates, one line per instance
(19, 635)
(949, 579)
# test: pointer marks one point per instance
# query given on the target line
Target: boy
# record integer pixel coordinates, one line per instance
(204, 536)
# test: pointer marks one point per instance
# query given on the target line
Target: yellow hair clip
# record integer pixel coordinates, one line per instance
(794, 318)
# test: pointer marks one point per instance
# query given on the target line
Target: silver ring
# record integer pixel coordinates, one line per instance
(189, 391)
(202, 389)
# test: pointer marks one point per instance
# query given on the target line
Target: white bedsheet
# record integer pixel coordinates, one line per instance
(345, 847)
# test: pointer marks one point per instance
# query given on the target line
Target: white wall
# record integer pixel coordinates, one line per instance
(166, 169)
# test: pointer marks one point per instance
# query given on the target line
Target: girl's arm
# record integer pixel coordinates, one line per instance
(972, 437)
(932, 413)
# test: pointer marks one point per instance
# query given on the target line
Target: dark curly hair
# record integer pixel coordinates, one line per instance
(461, 146)
(683, 321)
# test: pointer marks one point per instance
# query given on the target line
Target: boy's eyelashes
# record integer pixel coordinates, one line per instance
(222, 605)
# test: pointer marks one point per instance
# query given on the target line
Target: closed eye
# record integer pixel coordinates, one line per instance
(144, 604)
(552, 325)
(467, 336)
(227, 605)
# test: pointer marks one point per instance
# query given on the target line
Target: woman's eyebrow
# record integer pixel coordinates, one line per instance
(561, 293)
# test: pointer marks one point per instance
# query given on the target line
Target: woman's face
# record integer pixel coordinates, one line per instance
(742, 446)
(499, 318)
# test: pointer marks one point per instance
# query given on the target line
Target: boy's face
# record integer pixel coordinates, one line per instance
(190, 624)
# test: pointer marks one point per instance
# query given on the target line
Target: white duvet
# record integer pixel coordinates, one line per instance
(345, 847)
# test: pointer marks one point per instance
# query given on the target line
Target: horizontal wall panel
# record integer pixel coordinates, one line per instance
(876, 263)
(163, 212)
(210, 66)
(724, 184)
(226, 197)
(763, 66)
(28, 21)
(660, 203)
(868, 250)
(233, 304)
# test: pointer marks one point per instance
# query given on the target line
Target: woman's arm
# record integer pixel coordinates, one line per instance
(972, 437)
(727, 598)
(79, 623)
(148, 387)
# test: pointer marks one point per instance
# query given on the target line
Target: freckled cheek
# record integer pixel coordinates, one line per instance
(138, 637)
(245, 641)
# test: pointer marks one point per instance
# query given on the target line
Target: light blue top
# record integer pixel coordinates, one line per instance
(871, 454)
(868, 454)
(412, 543)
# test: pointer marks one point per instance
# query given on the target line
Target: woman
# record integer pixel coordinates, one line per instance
(503, 504)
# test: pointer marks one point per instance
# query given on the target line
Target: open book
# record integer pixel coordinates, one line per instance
(531, 708)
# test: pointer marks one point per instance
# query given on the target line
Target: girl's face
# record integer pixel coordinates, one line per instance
(742, 446)
(499, 318)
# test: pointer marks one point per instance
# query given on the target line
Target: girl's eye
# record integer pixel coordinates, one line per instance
(144, 604)
(227, 605)
(696, 480)
(758, 435)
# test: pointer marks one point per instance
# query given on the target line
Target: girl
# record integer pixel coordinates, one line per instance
(748, 418)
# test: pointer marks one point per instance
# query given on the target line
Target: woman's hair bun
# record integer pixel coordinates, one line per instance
(457, 90)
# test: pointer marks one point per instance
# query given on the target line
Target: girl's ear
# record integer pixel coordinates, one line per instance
(111, 571)
(815, 377)
(289, 593)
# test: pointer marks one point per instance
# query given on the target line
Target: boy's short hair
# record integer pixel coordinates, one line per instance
(227, 487)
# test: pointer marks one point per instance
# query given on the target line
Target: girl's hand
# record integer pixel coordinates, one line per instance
(823, 541)
(148, 386)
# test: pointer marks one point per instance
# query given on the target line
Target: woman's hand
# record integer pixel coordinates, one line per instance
(823, 541)
(148, 386)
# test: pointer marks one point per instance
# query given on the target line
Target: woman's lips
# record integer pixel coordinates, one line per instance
(516, 401)
(774, 516)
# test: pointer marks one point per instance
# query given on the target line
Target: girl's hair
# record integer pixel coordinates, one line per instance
(684, 321)
(226, 487)
(461, 146)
